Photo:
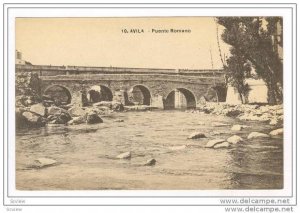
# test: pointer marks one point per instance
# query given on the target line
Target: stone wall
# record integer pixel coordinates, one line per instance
(258, 93)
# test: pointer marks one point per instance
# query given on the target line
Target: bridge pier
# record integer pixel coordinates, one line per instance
(157, 101)
(79, 98)
(120, 96)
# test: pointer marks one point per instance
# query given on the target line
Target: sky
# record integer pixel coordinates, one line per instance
(101, 42)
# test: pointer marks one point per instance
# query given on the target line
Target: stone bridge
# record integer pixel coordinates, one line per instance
(161, 88)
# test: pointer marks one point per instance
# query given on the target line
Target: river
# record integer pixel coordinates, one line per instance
(86, 154)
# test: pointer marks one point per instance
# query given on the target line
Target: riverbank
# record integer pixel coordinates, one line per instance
(271, 114)
(41, 114)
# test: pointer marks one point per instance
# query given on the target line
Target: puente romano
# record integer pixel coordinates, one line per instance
(159, 88)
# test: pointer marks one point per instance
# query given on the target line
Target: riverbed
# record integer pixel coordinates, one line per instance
(86, 154)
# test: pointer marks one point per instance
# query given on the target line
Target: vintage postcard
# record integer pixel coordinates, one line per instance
(194, 104)
(149, 103)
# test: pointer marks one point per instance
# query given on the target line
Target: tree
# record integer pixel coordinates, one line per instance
(238, 69)
(254, 42)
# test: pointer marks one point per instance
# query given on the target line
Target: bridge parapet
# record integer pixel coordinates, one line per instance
(136, 77)
(48, 70)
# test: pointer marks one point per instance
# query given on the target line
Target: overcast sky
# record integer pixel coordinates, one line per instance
(100, 42)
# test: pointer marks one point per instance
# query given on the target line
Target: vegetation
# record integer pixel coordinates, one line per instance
(254, 47)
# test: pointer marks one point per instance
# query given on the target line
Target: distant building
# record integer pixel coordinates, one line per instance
(19, 59)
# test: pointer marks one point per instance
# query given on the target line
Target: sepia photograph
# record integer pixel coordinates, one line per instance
(149, 103)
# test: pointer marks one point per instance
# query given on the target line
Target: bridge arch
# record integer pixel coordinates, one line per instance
(140, 95)
(216, 93)
(60, 94)
(97, 93)
(180, 98)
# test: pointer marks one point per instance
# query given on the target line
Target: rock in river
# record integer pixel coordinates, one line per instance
(77, 120)
(125, 155)
(274, 122)
(103, 103)
(234, 139)
(196, 135)
(238, 127)
(93, 118)
(212, 143)
(33, 119)
(54, 110)
(222, 145)
(257, 135)
(117, 106)
(62, 118)
(277, 132)
(44, 162)
(38, 109)
(76, 111)
(150, 162)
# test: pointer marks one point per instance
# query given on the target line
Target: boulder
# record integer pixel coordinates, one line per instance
(76, 111)
(150, 162)
(38, 109)
(233, 113)
(93, 118)
(77, 120)
(54, 110)
(62, 118)
(125, 155)
(44, 162)
(212, 143)
(117, 106)
(33, 119)
(196, 135)
(234, 139)
(277, 132)
(222, 145)
(257, 135)
(238, 127)
(274, 122)
(103, 103)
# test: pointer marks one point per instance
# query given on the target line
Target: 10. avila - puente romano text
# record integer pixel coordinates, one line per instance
(159, 88)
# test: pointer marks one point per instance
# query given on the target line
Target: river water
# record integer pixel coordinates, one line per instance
(86, 155)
